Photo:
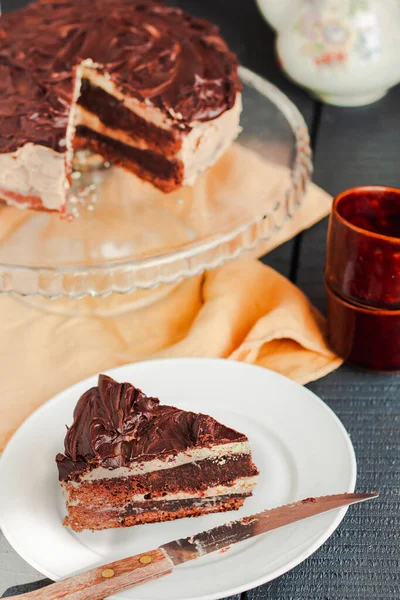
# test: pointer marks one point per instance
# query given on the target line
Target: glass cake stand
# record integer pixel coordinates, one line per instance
(129, 239)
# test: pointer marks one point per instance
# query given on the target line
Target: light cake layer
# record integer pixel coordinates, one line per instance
(86, 497)
(81, 518)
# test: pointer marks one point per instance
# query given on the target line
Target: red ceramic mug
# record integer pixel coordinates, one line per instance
(362, 277)
(363, 253)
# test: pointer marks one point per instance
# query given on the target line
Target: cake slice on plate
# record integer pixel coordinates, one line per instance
(129, 459)
(147, 86)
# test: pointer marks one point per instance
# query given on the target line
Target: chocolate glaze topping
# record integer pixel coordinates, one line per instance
(116, 424)
(147, 49)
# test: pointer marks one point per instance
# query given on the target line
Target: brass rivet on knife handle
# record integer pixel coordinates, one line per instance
(104, 581)
(107, 573)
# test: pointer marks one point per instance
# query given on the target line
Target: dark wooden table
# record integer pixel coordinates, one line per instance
(351, 147)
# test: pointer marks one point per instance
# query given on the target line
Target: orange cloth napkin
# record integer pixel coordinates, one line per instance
(241, 311)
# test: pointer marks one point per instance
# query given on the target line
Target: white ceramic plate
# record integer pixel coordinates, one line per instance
(299, 445)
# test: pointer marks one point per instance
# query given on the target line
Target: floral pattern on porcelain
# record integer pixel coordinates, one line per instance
(332, 29)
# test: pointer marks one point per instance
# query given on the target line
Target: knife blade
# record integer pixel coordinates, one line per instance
(103, 581)
(236, 531)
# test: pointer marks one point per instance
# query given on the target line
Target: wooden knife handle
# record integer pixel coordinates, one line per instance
(101, 582)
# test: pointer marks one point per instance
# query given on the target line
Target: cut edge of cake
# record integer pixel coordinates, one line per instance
(41, 176)
(189, 463)
(182, 151)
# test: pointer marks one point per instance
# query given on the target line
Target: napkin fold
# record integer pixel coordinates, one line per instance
(241, 311)
(251, 313)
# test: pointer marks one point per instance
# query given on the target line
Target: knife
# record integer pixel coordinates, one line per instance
(100, 582)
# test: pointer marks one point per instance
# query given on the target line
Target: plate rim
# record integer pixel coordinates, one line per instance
(239, 588)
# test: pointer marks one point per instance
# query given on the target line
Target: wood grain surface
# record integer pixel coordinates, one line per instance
(106, 580)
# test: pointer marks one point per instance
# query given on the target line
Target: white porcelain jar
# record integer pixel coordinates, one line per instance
(345, 52)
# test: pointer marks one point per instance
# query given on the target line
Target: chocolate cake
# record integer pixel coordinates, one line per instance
(129, 459)
(147, 86)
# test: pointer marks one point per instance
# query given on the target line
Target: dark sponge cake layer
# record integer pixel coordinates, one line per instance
(148, 165)
(114, 114)
(80, 518)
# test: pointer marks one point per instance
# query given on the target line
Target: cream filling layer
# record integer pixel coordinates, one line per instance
(89, 119)
(219, 452)
(242, 485)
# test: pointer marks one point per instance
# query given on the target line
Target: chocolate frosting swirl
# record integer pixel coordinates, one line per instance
(116, 424)
(148, 50)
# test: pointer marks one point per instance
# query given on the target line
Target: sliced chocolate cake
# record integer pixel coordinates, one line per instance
(147, 86)
(129, 459)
